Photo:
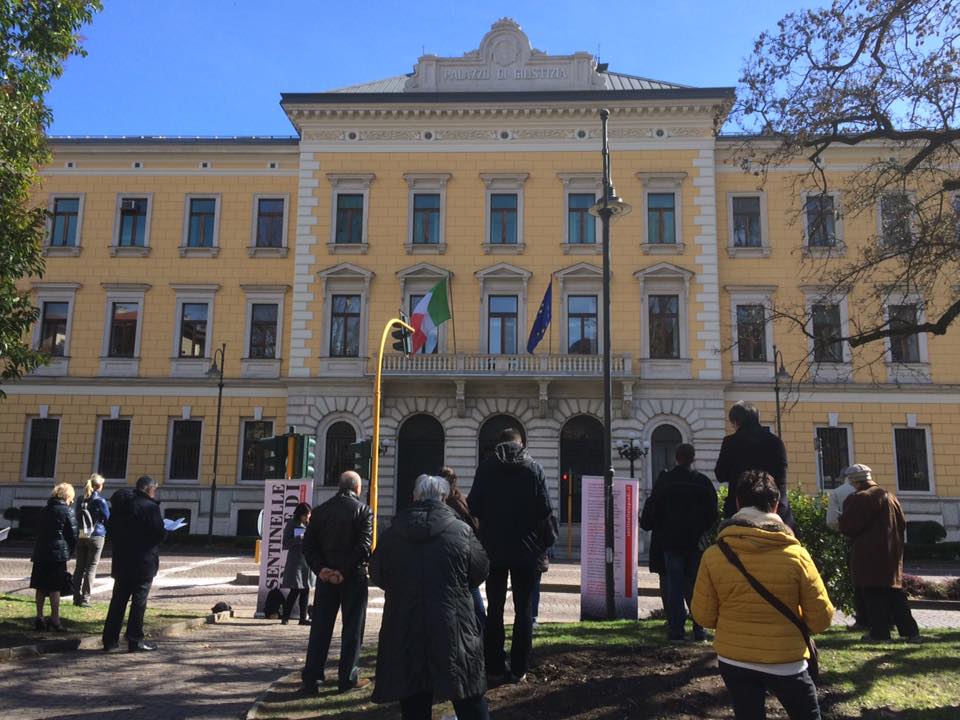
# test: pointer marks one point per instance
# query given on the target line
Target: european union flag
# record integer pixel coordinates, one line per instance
(542, 322)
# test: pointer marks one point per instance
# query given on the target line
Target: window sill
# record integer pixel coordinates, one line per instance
(835, 251)
(749, 252)
(665, 369)
(426, 248)
(119, 367)
(908, 373)
(189, 367)
(348, 248)
(267, 252)
(503, 248)
(831, 372)
(182, 483)
(61, 250)
(581, 248)
(662, 248)
(260, 368)
(129, 251)
(752, 371)
(199, 251)
(57, 367)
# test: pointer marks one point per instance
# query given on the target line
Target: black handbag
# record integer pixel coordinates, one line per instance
(813, 662)
(66, 583)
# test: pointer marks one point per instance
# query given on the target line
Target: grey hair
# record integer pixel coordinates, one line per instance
(350, 480)
(430, 487)
(144, 482)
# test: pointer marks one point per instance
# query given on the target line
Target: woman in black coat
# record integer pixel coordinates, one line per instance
(297, 574)
(430, 648)
(56, 540)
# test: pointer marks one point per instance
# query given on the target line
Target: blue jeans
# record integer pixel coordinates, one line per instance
(681, 569)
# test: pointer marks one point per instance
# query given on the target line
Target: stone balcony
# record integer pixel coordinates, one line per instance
(477, 365)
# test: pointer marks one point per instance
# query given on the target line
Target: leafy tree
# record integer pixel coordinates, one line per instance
(36, 37)
(881, 75)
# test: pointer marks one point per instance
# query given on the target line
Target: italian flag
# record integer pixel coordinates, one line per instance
(431, 312)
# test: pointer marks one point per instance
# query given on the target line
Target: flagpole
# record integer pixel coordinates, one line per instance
(453, 317)
(550, 339)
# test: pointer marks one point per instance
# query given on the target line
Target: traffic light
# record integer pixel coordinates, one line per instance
(272, 456)
(401, 337)
(361, 457)
(305, 458)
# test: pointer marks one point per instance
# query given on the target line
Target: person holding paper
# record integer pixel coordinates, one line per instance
(297, 574)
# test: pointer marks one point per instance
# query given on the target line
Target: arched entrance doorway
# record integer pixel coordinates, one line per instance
(581, 453)
(337, 456)
(419, 450)
(490, 431)
(663, 447)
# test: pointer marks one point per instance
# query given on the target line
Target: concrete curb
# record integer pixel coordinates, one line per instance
(254, 712)
(93, 642)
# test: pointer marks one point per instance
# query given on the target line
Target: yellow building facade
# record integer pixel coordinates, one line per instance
(291, 254)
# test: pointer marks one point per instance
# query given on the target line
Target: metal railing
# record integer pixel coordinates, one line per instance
(478, 364)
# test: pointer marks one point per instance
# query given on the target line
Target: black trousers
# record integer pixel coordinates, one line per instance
(350, 596)
(748, 690)
(521, 579)
(294, 594)
(884, 603)
(126, 590)
(418, 707)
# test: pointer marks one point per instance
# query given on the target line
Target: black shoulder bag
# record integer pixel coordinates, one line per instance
(813, 662)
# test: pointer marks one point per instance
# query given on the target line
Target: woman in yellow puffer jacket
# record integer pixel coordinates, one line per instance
(758, 648)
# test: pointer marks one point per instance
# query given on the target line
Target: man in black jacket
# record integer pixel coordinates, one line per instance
(135, 530)
(751, 447)
(336, 545)
(681, 508)
(509, 499)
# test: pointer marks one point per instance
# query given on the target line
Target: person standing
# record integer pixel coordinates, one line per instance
(297, 575)
(336, 545)
(135, 529)
(680, 510)
(56, 540)
(751, 447)
(873, 520)
(93, 507)
(458, 503)
(835, 500)
(427, 563)
(509, 499)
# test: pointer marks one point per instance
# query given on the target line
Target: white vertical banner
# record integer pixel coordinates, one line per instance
(280, 498)
(593, 605)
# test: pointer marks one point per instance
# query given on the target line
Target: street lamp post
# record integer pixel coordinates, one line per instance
(608, 206)
(216, 370)
(779, 373)
(632, 451)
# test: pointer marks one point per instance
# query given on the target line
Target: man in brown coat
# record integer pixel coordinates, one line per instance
(873, 519)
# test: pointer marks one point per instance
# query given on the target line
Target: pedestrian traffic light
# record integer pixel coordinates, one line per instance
(361, 457)
(305, 459)
(401, 337)
(272, 455)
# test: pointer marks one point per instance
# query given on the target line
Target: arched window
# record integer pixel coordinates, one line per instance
(663, 447)
(581, 453)
(419, 450)
(337, 456)
(490, 433)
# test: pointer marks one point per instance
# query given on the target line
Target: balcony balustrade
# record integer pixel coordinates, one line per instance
(470, 364)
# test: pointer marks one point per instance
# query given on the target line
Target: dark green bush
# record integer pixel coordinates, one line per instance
(827, 548)
(925, 532)
(948, 551)
(953, 589)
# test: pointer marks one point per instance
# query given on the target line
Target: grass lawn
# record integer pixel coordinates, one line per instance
(17, 613)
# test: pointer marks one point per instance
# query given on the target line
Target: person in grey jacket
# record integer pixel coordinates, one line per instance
(297, 575)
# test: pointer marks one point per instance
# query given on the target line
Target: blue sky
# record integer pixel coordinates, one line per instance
(217, 67)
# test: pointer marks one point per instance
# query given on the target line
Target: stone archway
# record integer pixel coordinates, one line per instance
(420, 449)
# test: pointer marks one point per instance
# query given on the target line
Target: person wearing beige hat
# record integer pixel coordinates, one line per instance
(873, 520)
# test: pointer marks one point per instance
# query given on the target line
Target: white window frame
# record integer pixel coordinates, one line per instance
(665, 279)
(580, 279)
(503, 184)
(663, 182)
(243, 432)
(764, 249)
(897, 372)
(816, 455)
(116, 250)
(418, 280)
(752, 295)
(502, 279)
(252, 249)
(580, 183)
(189, 366)
(344, 279)
(840, 248)
(262, 295)
(426, 183)
(214, 249)
(826, 371)
(928, 438)
(28, 435)
(45, 292)
(57, 250)
(168, 464)
(121, 293)
(350, 184)
(96, 447)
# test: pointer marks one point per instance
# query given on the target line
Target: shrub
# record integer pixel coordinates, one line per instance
(953, 589)
(948, 551)
(827, 548)
(915, 586)
(925, 532)
(11, 513)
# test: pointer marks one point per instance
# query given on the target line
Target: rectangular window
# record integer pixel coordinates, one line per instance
(502, 325)
(664, 326)
(426, 219)
(581, 227)
(904, 348)
(42, 453)
(114, 445)
(821, 221)
(414, 301)
(185, 449)
(751, 333)
(193, 329)
(53, 328)
(263, 330)
(895, 211)
(827, 346)
(582, 324)
(345, 326)
(202, 215)
(833, 449)
(63, 227)
(349, 219)
(270, 222)
(253, 431)
(503, 219)
(133, 222)
(746, 222)
(913, 469)
(661, 218)
(123, 329)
